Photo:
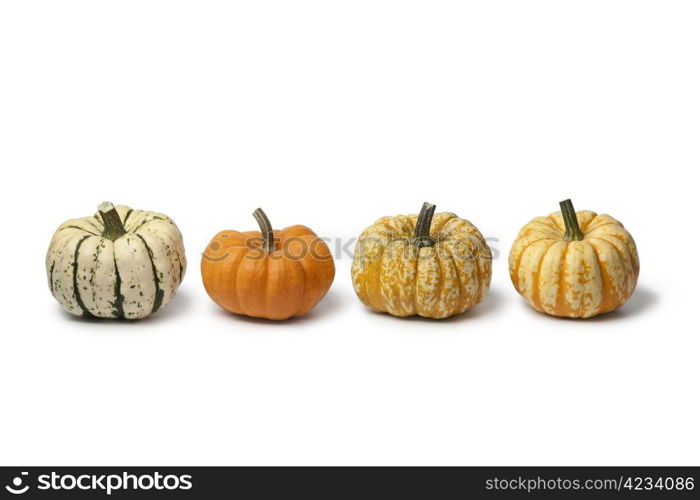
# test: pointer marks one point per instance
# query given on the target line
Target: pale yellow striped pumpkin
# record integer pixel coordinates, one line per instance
(574, 264)
(430, 265)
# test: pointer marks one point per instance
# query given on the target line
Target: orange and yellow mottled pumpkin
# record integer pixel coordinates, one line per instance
(431, 265)
(574, 264)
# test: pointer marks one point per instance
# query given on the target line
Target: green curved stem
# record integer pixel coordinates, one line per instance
(266, 230)
(114, 228)
(421, 235)
(573, 231)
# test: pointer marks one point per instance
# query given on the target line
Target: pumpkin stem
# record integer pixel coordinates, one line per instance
(421, 235)
(573, 231)
(114, 228)
(266, 230)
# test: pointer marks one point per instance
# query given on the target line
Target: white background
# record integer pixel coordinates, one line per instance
(332, 114)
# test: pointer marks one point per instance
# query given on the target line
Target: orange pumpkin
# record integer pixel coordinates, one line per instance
(268, 273)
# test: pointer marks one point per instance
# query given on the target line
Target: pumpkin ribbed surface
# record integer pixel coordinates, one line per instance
(578, 278)
(268, 274)
(129, 277)
(393, 274)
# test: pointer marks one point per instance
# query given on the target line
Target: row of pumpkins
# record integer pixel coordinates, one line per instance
(124, 263)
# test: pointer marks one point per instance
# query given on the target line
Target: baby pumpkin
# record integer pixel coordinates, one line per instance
(574, 264)
(267, 274)
(431, 265)
(118, 263)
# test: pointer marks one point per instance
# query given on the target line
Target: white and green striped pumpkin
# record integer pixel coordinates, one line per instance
(119, 263)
